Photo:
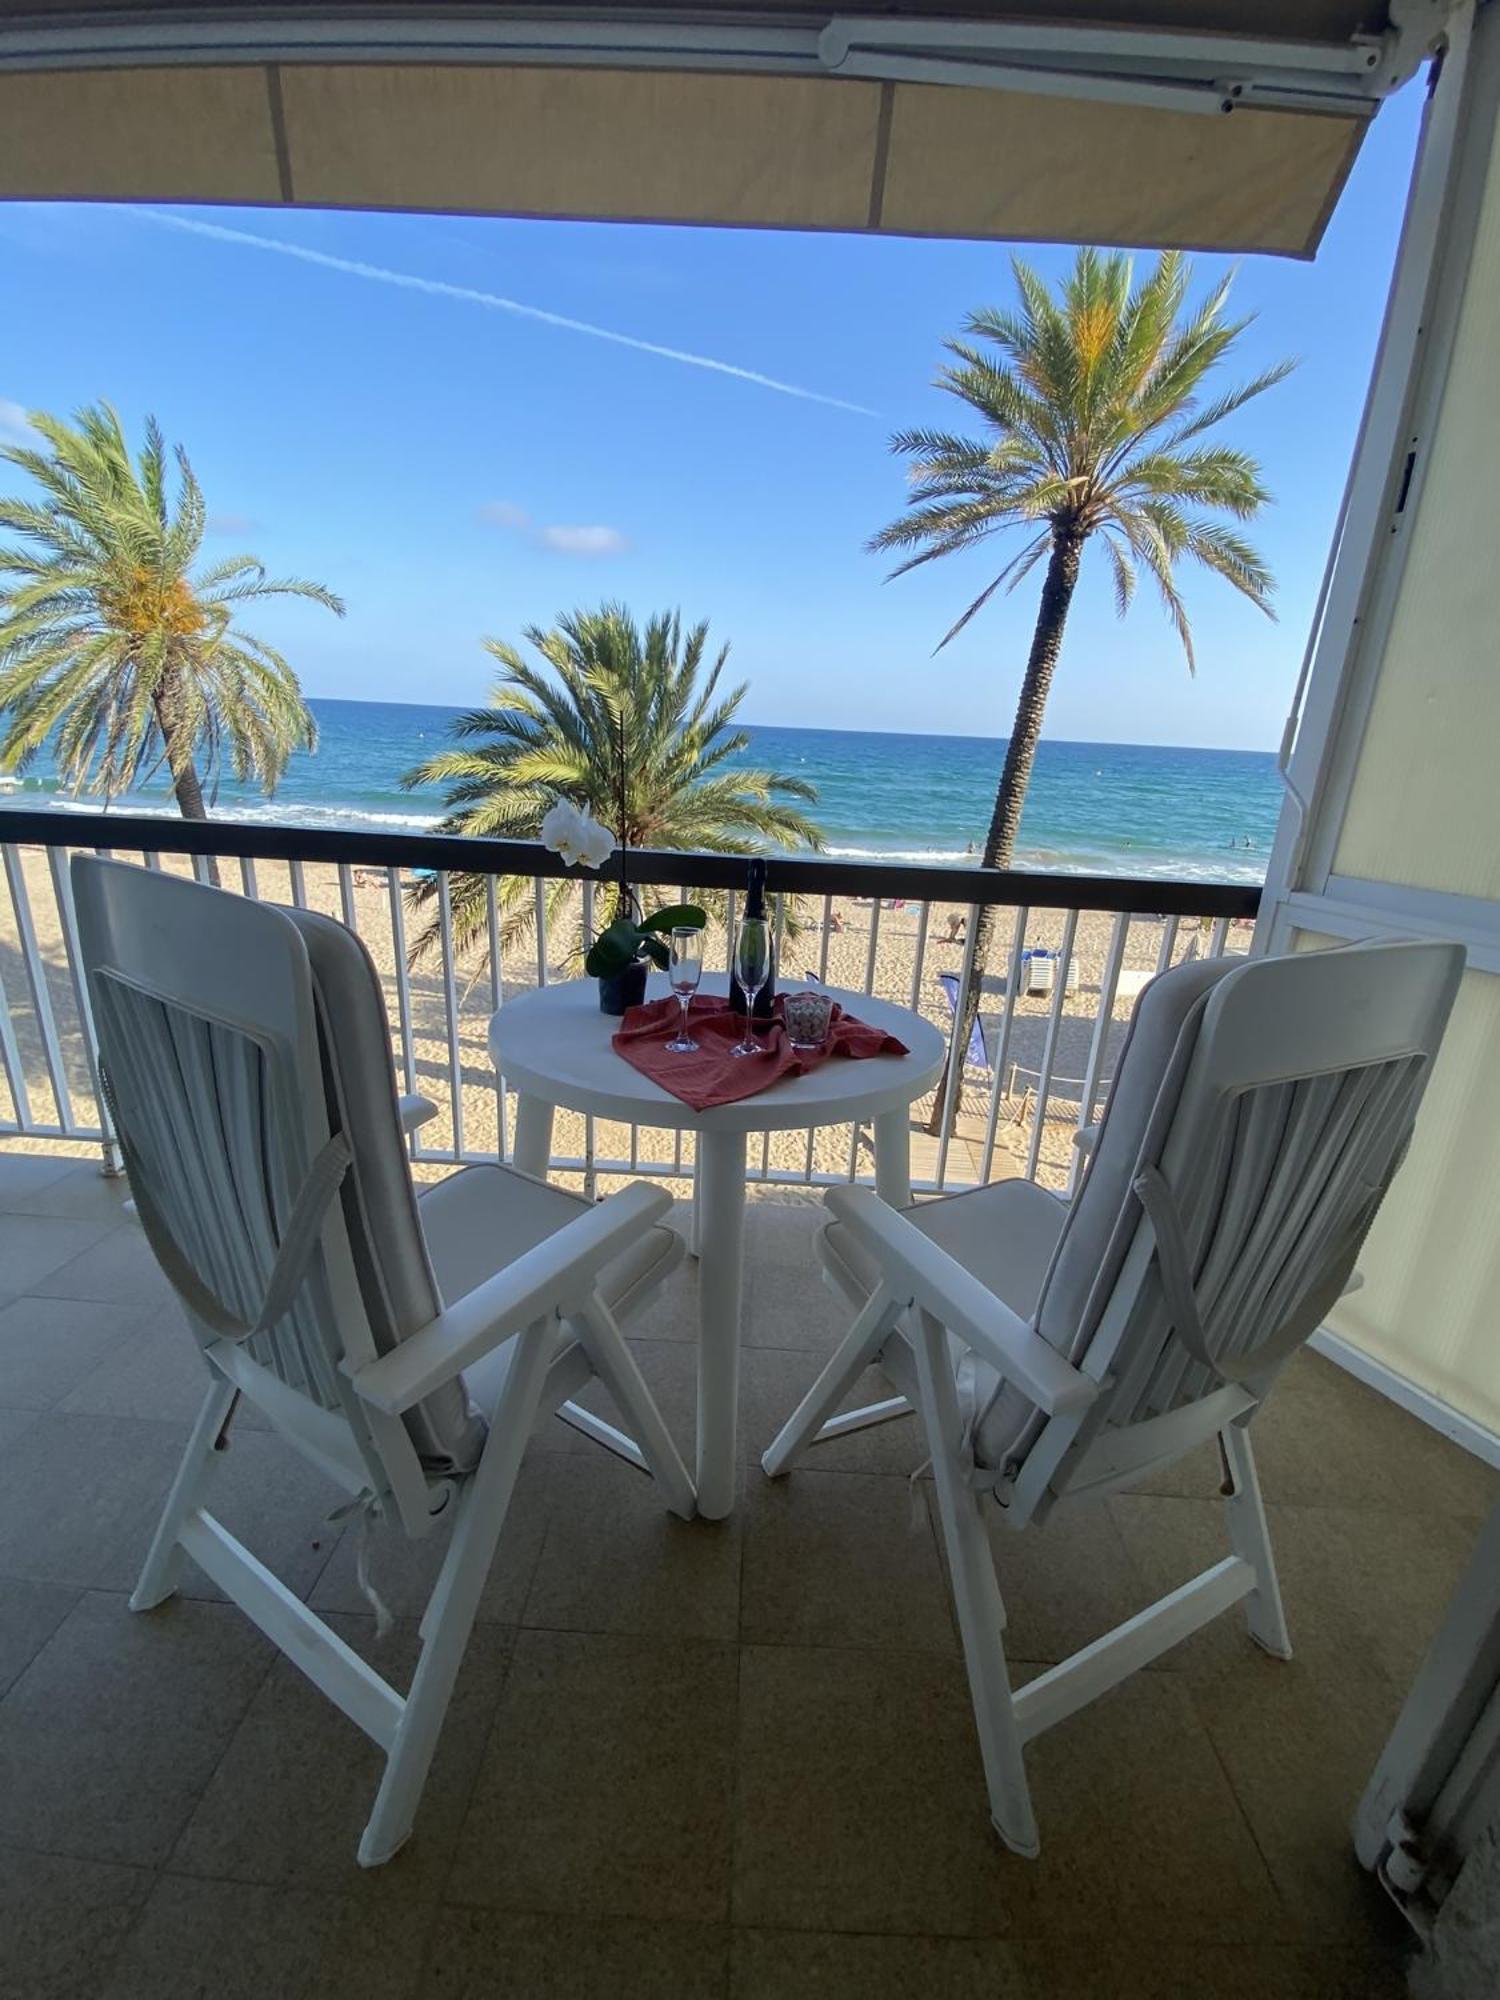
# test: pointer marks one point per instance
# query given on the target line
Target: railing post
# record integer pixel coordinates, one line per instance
(41, 998)
(1109, 982)
(62, 889)
(957, 1056)
(1002, 1041)
(1064, 963)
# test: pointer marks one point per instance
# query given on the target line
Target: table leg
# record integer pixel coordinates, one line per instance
(893, 1157)
(533, 1148)
(721, 1231)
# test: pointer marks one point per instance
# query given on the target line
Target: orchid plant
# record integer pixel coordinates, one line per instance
(575, 834)
(578, 837)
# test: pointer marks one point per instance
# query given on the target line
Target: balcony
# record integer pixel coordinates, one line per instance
(779, 1791)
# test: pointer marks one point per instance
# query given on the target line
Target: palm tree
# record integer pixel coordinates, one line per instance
(1090, 402)
(556, 730)
(109, 639)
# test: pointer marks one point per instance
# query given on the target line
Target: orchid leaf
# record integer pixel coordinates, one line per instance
(680, 916)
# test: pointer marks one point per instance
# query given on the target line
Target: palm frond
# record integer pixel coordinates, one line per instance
(1090, 401)
(109, 635)
(553, 729)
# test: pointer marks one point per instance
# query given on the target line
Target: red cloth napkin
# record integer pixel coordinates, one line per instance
(713, 1075)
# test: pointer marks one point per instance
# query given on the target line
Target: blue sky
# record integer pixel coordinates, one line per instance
(455, 468)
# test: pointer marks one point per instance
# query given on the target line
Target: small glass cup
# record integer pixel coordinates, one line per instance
(808, 1017)
(685, 970)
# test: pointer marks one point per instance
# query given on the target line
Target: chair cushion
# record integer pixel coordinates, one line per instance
(1158, 1046)
(482, 1218)
(396, 1278)
(1004, 1233)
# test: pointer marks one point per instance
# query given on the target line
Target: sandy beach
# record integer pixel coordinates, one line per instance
(863, 948)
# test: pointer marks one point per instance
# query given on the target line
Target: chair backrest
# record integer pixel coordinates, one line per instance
(237, 1041)
(1298, 1095)
(1260, 1110)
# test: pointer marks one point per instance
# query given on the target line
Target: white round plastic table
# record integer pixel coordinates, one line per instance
(553, 1045)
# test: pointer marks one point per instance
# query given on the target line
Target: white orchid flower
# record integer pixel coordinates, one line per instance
(576, 835)
(598, 843)
(562, 829)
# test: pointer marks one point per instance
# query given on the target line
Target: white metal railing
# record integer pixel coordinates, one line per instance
(1048, 1029)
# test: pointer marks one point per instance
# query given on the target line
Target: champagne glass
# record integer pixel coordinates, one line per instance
(752, 967)
(685, 971)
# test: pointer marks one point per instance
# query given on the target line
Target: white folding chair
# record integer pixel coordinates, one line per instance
(404, 1347)
(1058, 1353)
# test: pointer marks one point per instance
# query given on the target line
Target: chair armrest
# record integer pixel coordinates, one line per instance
(414, 1110)
(920, 1273)
(555, 1276)
(1086, 1138)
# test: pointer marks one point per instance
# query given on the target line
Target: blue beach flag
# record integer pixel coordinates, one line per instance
(978, 1056)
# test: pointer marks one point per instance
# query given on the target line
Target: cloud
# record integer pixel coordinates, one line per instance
(14, 429)
(561, 537)
(231, 524)
(581, 541)
(501, 514)
(438, 288)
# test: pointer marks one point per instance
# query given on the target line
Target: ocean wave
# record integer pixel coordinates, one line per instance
(931, 857)
(350, 818)
(1161, 868)
(1062, 861)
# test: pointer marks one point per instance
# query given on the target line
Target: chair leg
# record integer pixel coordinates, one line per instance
(1250, 1539)
(162, 1570)
(849, 1360)
(615, 1365)
(449, 1618)
(976, 1596)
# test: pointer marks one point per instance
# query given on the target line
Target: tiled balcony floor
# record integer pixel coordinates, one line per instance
(684, 1759)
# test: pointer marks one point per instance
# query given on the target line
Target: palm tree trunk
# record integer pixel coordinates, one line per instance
(1010, 797)
(187, 787)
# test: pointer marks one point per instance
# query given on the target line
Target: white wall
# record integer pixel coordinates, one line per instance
(1400, 753)
(1424, 809)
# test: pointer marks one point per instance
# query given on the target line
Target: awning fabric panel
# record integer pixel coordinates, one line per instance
(138, 135)
(685, 146)
(648, 145)
(1050, 170)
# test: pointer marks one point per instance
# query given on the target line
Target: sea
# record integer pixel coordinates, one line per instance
(1092, 808)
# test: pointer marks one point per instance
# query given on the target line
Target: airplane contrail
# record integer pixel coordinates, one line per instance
(494, 302)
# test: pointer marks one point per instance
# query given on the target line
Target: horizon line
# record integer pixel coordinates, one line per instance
(828, 729)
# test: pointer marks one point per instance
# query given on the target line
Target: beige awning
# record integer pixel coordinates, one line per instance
(709, 115)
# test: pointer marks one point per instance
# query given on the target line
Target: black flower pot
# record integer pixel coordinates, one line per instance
(623, 989)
